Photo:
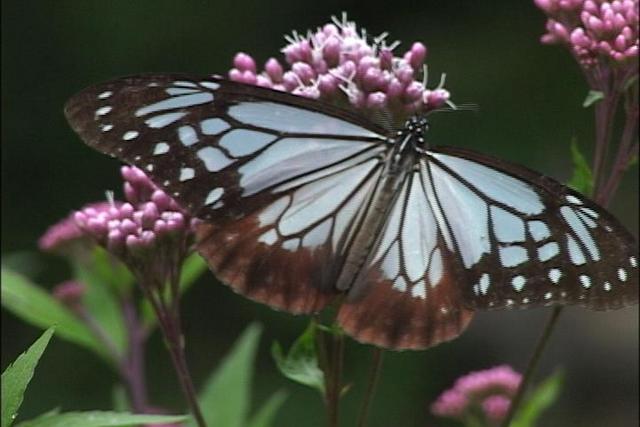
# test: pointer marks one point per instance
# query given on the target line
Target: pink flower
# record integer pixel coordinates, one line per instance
(69, 293)
(596, 31)
(488, 392)
(339, 61)
(149, 232)
(65, 237)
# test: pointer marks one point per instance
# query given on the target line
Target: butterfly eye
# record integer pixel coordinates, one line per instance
(300, 202)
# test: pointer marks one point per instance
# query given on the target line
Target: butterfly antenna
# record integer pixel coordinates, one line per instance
(109, 195)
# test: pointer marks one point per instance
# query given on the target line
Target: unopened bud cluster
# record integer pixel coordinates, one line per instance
(338, 60)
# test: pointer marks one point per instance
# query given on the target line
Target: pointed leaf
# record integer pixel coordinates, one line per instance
(592, 97)
(265, 415)
(226, 395)
(37, 307)
(100, 419)
(16, 377)
(582, 179)
(301, 362)
(541, 398)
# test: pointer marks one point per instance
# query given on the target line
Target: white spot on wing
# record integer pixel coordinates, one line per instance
(622, 274)
(573, 199)
(241, 142)
(555, 275)
(185, 83)
(106, 94)
(163, 120)
(319, 235)
(187, 174)
(633, 262)
(210, 85)
(176, 102)
(483, 284)
(213, 159)
(507, 227)
(160, 148)
(518, 283)
(214, 195)
(510, 256)
(435, 268)
(180, 91)
(213, 126)
(585, 281)
(539, 230)
(282, 118)
(272, 212)
(187, 135)
(548, 251)
(575, 253)
(419, 290)
(129, 135)
(103, 110)
(269, 238)
(400, 284)
(106, 128)
(607, 286)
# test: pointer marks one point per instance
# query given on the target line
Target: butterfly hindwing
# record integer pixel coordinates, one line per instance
(526, 240)
(407, 295)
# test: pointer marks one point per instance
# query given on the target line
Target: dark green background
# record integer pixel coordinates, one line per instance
(529, 97)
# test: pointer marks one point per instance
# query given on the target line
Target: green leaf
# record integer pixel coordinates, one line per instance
(265, 415)
(37, 307)
(592, 97)
(120, 399)
(582, 179)
(539, 400)
(104, 278)
(192, 268)
(99, 419)
(226, 395)
(16, 377)
(301, 363)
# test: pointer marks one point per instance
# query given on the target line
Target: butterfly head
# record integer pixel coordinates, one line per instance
(413, 133)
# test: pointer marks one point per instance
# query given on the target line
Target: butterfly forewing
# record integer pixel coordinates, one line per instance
(283, 185)
(525, 240)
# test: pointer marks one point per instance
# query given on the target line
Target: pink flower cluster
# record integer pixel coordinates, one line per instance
(65, 237)
(338, 60)
(490, 391)
(149, 218)
(593, 29)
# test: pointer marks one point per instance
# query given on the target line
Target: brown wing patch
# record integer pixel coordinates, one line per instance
(389, 318)
(297, 282)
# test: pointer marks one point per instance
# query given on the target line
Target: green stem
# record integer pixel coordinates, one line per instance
(374, 375)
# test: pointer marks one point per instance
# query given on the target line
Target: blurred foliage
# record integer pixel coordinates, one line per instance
(16, 378)
(529, 99)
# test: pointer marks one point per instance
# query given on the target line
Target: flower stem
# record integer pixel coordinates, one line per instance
(334, 387)
(374, 375)
(531, 366)
(170, 328)
(133, 365)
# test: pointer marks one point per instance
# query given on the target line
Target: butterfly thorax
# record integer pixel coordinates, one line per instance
(407, 146)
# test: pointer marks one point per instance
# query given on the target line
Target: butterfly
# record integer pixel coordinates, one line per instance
(303, 203)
